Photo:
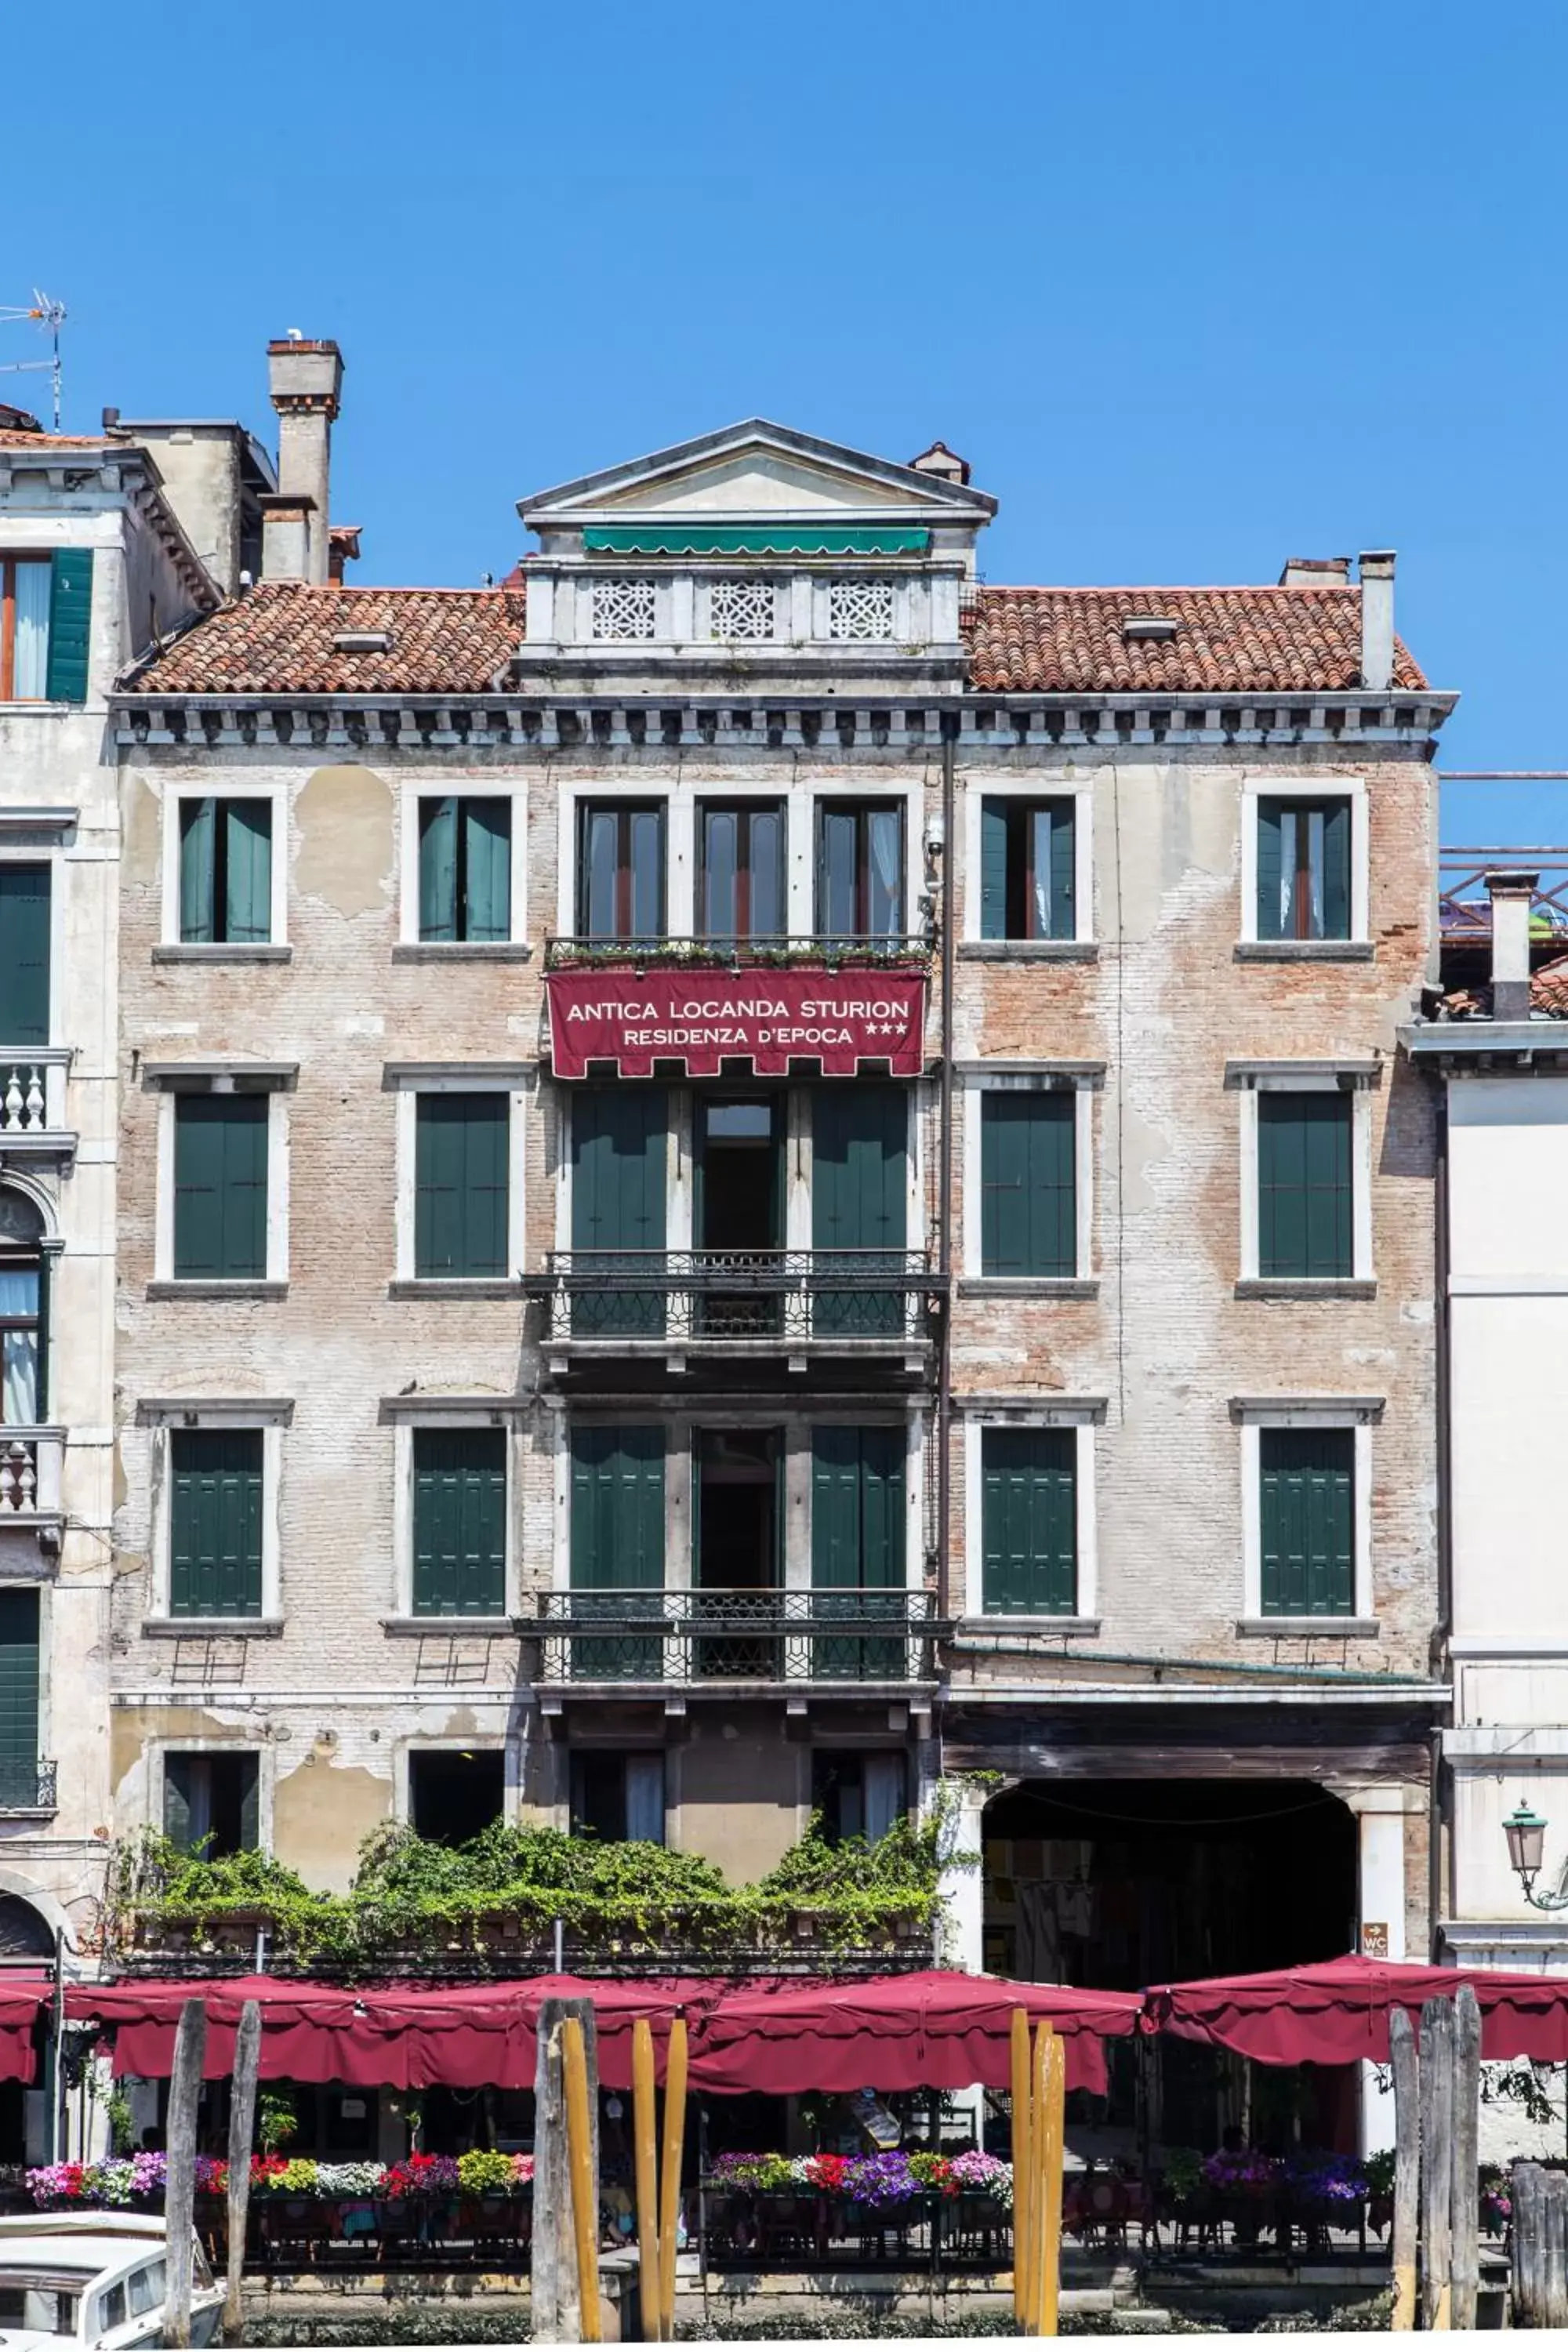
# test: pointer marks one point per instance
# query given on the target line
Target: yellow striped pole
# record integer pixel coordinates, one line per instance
(585, 2204)
(1023, 2167)
(645, 2129)
(674, 2148)
(1050, 2122)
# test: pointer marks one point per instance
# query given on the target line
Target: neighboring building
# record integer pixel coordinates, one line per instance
(94, 568)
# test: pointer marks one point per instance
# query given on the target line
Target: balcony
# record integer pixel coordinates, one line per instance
(694, 1637)
(858, 1304)
(25, 1792)
(812, 952)
(32, 1462)
(33, 1103)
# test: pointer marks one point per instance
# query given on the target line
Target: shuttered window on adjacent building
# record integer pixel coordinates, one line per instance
(220, 1187)
(225, 872)
(1307, 1511)
(465, 869)
(1303, 870)
(215, 1522)
(46, 616)
(1305, 1226)
(1029, 1522)
(461, 1185)
(24, 955)
(19, 1694)
(1028, 1208)
(459, 1522)
(1027, 870)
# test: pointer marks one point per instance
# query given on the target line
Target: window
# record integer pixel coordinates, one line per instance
(1029, 1522)
(857, 1540)
(215, 1479)
(46, 605)
(616, 1797)
(1307, 1522)
(1303, 870)
(111, 2309)
(454, 1794)
(20, 1695)
(619, 1157)
(1027, 870)
(1304, 1202)
(859, 1796)
(225, 872)
(145, 2289)
(210, 1802)
(859, 870)
(461, 1146)
(620, 872)
(220, 1187)
(24, 955)
(617, 1538)
(465, 869)
(743, 871)
(1028, 1205)
(459, 1522)
(22, 1337)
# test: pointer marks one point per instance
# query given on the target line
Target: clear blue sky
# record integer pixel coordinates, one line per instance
(1195, 285)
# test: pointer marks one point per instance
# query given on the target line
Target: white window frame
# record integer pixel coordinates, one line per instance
(409, 1416)
(1309, 787)
(1355, 1078)
(1083, 1081)
(272, 1416)
(474, 788)
(163, 1748)
(408, 1081)
(240, 788)
(1252, 1414)
(979, 787)
(38, 836)
(222, 1082)
(1084, 1415)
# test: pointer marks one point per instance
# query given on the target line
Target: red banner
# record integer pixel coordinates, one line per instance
(703, 1018)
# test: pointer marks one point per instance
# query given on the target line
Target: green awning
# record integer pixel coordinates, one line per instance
(750, 538)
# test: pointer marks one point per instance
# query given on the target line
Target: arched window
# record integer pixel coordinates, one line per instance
(23, 1328)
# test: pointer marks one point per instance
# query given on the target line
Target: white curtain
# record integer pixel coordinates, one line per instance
(884, 1787)
(1042, 861)
(1315, 861)
(18, 1348)
(884, 829)
(32, 632)
(645, 1798)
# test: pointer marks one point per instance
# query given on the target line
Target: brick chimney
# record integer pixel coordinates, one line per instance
(305, 380)
(940, 460)
(1511, 892)
(1377, 620)
(1316, 572)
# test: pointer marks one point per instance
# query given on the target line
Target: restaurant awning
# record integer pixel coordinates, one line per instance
(1337, 2010)
(21, 2000)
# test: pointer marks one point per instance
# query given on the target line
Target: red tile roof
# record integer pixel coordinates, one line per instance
(1547, 995)
(11, 438)
(277, 638)
(1227, 641)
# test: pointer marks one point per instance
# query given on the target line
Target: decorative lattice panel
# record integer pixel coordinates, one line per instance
(860, 608)
(741, 608)
(623, 608)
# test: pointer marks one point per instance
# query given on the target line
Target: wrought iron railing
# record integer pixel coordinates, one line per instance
(737, 1296)
(812, 952)
(700, 1636)
(25, 1788)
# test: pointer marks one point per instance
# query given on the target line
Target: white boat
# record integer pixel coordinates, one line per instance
(93, 2278)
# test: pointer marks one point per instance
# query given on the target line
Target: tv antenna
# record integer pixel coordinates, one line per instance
(43, 312)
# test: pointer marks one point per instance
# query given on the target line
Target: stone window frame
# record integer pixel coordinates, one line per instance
(406, 1415)
(1084, 1415)
(1083, 1080)
(406, 1081)
(168, 1080)
(1253, 1413)
(405, 1745)
(273, 1416)
(42, 835)
(162, 1746)
(1307, 785)
(169, 947)
(1351, 1075)
(410, 947)
(979, 787)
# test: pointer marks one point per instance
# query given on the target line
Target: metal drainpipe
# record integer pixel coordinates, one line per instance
(944, 1181)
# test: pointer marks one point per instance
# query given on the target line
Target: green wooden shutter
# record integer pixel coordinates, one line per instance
(459, 1522)
(1028, 1181)
(24, 955)
(19, 1694)
(1336, 870)
(178, 1800)
(249, 1803)
(248, 869)
(620, 1153)
(617, 1539)
(992, 870)
(1063, 872)
(1029, 1522)
(1270, 874)
(487, 858)
(198, 871)
(856, 1542)
(1304, 1190)
(438, 869)
(461, 1149)
(1307, 1511)
(860, 1200)
(70, 614)
(215, 1552)
(220, 1187)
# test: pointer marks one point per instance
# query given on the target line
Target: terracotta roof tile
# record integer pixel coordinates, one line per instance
(13, 439)
(277, 638)
(1547, 995)
(1226, 641)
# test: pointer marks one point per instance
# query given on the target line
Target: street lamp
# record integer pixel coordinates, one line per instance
(1526, 1835)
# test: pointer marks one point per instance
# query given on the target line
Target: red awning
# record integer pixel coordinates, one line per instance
(1337, 2010)
(21, 1999)
(939, 2030)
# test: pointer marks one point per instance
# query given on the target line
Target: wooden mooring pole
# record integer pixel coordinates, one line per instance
(1406, 2168)
(1022, 2168)
(1437, 2168)
(552, 2272)
(1050, 2128)
(241, 2127)
(180, 2187)
(1464, 2194)
(675, 2065)
(644, 2140)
